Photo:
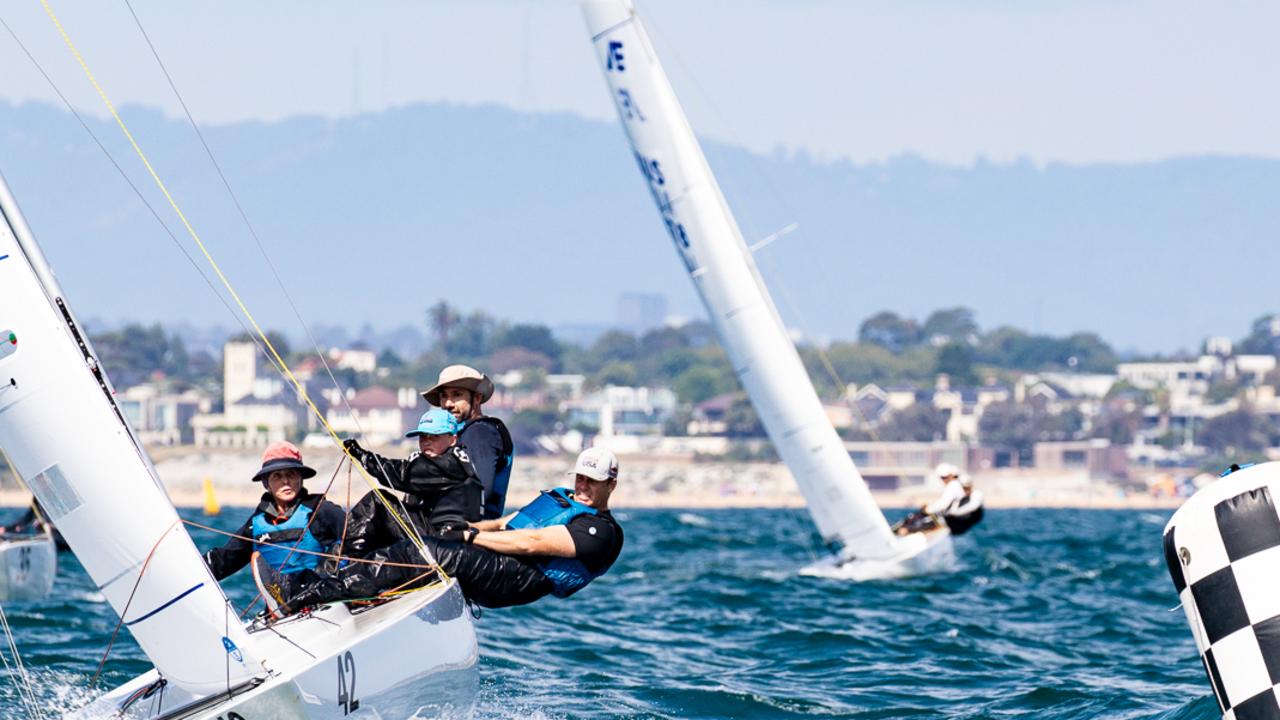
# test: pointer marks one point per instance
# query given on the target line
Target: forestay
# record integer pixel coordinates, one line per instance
(725, 275)
(60, 425)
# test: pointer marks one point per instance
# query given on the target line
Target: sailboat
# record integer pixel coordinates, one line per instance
(860, 543)
(65, 433)
(28, 564)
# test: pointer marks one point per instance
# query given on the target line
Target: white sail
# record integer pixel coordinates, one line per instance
(724, 273)
(64, 433)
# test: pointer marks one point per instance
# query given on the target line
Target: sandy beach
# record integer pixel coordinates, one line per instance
(645, 482)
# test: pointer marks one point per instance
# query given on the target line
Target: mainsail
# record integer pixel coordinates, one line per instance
(710, 244)
(64, 432)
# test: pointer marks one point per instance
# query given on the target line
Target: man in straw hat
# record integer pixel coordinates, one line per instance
(289, 523)
(461, 390)
(555, 545)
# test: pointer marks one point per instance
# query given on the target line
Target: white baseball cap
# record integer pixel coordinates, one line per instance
(596, 463)
(946, 470)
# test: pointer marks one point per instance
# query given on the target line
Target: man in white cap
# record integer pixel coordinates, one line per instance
(555, 545)
(967, 511)
(926, 517)
(462, 390)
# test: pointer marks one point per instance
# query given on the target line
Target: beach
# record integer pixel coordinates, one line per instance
(644, 482)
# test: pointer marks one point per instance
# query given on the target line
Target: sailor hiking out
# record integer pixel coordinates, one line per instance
(935, 514)
(442, 492)
(555, 545)
(462, 390)
(289, 525)
(966, 512)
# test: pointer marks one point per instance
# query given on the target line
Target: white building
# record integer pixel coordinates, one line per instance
(622, 410)
(160, 417)
(378, 415)
(256, 410)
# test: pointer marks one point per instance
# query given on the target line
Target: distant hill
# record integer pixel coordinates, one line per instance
(544, 218)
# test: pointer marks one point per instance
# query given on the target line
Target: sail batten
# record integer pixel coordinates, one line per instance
(61, 427)
(720, 263)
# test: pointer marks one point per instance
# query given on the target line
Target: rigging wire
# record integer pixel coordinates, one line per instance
(823, 357)
(405, 525)
(26, 690)
(136, 190)
(244, 217)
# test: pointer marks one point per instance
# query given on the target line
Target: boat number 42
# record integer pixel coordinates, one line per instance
(347, 684)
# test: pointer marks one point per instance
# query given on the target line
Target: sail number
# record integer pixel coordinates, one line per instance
(347, 689)
(231, 716)
(652, 170)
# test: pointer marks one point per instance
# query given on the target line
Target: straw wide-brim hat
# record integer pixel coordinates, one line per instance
(460, 376)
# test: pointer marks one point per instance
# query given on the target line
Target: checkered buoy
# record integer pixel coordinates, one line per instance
(1223, 551)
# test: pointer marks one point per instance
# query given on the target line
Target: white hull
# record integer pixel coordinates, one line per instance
(415, 656)
(921, 554)
(27, 568)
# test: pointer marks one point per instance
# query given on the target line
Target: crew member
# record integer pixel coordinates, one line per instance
(35, 521)
(967, 511)
(288, 520)
(462, 390)
(926, 518)
(555, 545)
(442, 490)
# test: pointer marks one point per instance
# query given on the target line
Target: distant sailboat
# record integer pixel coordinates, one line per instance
(65, 433)
(711, 246)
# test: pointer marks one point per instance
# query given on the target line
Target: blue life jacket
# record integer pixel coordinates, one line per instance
(291, 533)
(551, 508)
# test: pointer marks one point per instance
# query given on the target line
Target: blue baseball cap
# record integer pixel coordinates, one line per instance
(435, 421)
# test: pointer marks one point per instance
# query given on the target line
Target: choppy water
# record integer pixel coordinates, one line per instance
(1052, 614)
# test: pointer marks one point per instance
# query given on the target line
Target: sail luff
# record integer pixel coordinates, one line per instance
(717, 258)
(65, 434)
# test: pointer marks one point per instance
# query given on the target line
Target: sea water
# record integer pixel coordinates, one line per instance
(1049, 614)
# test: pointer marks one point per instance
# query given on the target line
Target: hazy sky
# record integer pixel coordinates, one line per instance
(950, 80)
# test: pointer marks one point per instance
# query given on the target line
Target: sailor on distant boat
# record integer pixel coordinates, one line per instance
(443, 493)
(967, 511)
(462, 390)
(35, 521)
(288, 517)
(926, 518)
(555, 545)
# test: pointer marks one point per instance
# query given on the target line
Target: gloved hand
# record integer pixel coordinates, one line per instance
(352, 446)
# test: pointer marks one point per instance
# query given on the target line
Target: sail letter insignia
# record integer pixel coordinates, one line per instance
(8, 343)
(615, 58)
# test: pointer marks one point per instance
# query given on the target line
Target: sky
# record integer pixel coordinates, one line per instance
(963, 83)
(950, 81)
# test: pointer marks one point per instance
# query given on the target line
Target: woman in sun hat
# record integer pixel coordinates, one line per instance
(288, 520)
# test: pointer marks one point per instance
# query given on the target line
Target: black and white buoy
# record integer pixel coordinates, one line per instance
(1223, 551)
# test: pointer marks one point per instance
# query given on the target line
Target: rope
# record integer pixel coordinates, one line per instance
(226, 283)
(244, 216)
(125, 610)
(312, 519)
(316, 553)
(173, 204)
(26, 690)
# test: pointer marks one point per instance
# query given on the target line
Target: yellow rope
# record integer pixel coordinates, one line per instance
(302, 391)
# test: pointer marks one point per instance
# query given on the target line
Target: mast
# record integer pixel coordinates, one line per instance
(65, 434)
(710, 244)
